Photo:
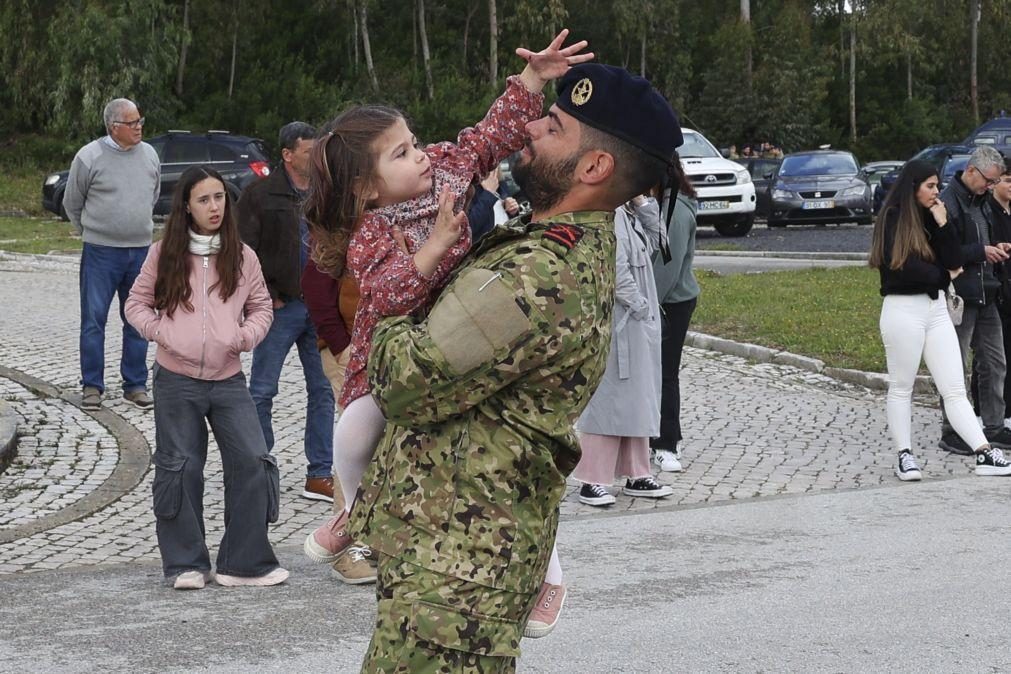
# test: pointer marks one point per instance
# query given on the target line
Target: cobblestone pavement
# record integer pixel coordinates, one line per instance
(751, 431)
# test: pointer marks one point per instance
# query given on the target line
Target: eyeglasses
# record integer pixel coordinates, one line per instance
(135, 124)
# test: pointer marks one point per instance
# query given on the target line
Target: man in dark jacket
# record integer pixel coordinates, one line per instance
(271, 224)
(965, 199)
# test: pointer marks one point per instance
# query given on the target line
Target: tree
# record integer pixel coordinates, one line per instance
(974, 12)
(492, 45)
(426, 57)
(363, 25)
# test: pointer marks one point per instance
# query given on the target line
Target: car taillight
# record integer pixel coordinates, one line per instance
(260, 168)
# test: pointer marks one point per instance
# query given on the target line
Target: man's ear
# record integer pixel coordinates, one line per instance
(595, 167)
(286, 155)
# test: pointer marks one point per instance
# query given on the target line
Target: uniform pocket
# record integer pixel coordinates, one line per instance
(452, 629)
(273, 488)
(167, 487)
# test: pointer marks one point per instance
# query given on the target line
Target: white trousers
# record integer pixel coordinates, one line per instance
(915, 326)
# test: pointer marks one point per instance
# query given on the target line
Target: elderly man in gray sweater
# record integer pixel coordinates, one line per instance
(111, 192)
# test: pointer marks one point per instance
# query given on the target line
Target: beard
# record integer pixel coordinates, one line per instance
(545, 183)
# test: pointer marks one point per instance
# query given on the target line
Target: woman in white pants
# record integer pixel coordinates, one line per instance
(918, 255)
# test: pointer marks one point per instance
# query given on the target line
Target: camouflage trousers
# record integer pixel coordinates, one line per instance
(427, 622)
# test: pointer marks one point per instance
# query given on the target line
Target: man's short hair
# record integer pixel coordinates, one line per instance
(114, 110)
(291, 133)
(635, 171)
(984, 158)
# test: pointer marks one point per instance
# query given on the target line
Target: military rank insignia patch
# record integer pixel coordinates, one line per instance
(582, 91)
(565, 235)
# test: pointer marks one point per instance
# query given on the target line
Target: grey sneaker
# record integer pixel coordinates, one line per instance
(139, 398)
(91, 398)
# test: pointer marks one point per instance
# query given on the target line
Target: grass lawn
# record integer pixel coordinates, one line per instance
(37, 235)
(21, 191)
(831, 314)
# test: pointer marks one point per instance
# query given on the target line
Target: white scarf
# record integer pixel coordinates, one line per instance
(204, 245)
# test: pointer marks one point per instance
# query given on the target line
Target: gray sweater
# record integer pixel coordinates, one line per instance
(675, 281)
(111, 193)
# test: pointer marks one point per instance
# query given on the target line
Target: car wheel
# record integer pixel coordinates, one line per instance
(737, 227)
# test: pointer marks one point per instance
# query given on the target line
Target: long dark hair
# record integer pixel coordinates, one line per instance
(172, 287)
(342, 168)
(902, 205)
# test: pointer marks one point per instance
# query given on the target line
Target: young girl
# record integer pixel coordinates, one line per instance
(918, 255)
(202, 298)
(374, 192)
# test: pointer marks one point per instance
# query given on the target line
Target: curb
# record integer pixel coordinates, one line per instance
(785, 254)
(42, 262)
(8, 435)
(763, 354)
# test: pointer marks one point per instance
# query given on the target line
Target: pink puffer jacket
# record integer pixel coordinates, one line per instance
(204, 343)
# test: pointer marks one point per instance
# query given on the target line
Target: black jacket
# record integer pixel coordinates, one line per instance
(918, 276)
(269, 213)
(972, 219)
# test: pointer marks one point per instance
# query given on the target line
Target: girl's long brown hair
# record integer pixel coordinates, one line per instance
(172, 287)
(342, 169)
(910, 235)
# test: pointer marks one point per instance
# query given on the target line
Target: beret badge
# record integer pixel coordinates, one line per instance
(582, 91)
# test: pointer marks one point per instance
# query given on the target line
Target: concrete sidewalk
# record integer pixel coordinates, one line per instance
(908, 577)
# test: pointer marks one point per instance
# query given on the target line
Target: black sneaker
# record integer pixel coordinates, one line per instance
(999, 438)
(991, 462)
(908, 470)
(595, 495)
(646, 487)
(951, 442)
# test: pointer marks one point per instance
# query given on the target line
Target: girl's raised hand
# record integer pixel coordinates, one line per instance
(552, 62)
(448, 226)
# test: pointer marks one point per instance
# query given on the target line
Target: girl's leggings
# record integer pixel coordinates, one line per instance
(355, 438)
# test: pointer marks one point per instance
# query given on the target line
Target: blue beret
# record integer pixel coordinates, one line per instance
(621, 104)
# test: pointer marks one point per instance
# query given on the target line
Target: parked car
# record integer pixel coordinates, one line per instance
(952, 165)
(762, 172)
(726, 194)
(874, 171)
(996, 132)
(240, 160)
(935, 154)
(820, 187)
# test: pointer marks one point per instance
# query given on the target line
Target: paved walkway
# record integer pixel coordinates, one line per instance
(753, 432)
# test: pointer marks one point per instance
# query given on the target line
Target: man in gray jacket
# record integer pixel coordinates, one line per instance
(111, 192)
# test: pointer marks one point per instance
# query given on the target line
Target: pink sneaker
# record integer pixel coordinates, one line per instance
(328, 542)
(545, 614)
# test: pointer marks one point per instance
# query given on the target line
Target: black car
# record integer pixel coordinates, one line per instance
(952, 165)
(762, 173)
(935, 154)
(819, 187)
(239, 159)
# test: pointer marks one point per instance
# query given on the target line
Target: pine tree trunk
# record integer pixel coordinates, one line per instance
(466, 31)
(414, 39)
(748, 59)
(973, 60)
(909, 76)
(430, 87)
(235, 45)
(841, 4)
(184, 43)
(354, 29)
(853, 79)
(493, 45)
(363, 19)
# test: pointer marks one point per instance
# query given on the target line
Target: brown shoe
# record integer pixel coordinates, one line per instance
(140, 398)
(91, 398)
(354, 568)
(319, 489)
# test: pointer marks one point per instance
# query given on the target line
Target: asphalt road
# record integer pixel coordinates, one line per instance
(795, 238)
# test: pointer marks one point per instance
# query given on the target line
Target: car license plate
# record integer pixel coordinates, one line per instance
(713, 205)
(817, 205)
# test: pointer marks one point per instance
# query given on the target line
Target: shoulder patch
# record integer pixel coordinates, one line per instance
(565, 235)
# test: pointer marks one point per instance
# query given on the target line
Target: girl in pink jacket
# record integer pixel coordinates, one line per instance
(202, 298)
(382, 207)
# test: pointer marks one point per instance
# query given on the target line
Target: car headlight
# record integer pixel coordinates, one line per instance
(52, 179)
(855, 191)
(743, 177)
(783, 194)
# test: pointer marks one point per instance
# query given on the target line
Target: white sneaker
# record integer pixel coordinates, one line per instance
(667, 460)
(677, 449)
(1007, 423)
(275, 577)
(191, 580)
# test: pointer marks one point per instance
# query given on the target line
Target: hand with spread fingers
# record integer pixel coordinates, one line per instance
(552, 62)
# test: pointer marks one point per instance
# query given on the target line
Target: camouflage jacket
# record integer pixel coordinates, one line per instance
(480, 399)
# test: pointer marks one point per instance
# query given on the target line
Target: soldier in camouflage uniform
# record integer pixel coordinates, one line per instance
(461, 499)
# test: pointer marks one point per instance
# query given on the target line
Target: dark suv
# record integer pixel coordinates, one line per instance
(239, 159)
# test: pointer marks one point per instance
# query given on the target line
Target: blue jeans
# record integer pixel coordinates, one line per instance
(292, 326)
(105, 272)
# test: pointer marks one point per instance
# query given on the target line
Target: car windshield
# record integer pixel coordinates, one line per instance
(818, 165)
(955, 163)
(696, 146)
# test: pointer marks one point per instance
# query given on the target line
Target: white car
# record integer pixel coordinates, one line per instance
(726, 194)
